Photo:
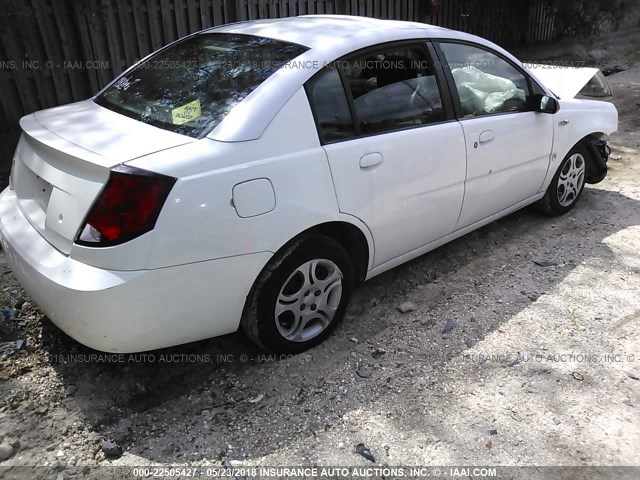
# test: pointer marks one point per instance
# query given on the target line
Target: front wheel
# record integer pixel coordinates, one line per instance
(300, 296)
(567, 184)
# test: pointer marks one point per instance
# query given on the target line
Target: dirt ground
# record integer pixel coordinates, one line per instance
(523, 349)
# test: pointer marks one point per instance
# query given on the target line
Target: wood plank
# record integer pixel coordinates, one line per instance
(128, 33)
(36, 75)
(504, 32)
(543, 24)
(501, 19)
(154, 16)
(252, 9)
(263, 11)
(86, 44)
(100, 45)
(142, 28)
(235, 11)
(9, 100)
(168, 21)
(217, 12)
(302, 7)
(446, 14)
(493, 22)
(550, 19)
(114, 39)
(28, 101)
(274, 8)
(180, 13)
(206, 13)
(52, 50)
(193, 7)
(532, 18)
(538, 22)
(377, 8)
(329, 7)
(456, 17)
(11, 112)
(69, 42)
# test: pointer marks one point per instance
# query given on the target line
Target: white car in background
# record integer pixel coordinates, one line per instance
(252, 174)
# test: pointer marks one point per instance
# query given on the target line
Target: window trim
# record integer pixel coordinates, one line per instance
(419, 43)
(453, 90)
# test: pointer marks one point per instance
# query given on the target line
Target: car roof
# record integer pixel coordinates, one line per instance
(329, 37)
(314, 31)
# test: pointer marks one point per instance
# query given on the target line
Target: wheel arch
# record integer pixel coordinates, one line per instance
(351, 237)
(596, 164)
(593, 162)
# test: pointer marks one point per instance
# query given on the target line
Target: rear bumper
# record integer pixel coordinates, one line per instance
(126, 311)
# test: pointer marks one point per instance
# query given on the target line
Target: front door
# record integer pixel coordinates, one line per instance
(508, 145)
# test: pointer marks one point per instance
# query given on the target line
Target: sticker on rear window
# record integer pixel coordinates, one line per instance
(186, 113)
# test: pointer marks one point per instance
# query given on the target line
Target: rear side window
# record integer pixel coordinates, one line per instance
(393, 89)
(486, 83)
(190, 87)
(331, 106)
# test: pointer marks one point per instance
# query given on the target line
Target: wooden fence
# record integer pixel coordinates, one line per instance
(54, 52)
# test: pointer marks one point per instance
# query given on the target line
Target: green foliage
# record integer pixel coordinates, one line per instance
(585, 18)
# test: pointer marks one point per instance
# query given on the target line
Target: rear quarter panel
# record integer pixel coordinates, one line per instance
(199, 221)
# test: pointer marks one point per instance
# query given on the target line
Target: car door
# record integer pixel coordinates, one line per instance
(396, 154)
(508, 144)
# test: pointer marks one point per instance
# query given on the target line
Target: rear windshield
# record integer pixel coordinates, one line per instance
(190, 87)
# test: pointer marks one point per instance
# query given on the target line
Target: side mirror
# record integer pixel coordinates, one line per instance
(545, 104)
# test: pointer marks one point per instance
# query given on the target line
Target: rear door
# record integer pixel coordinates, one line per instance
(396, 154)
(508, 144)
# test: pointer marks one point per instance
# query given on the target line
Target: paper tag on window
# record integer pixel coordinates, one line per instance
(186, 113)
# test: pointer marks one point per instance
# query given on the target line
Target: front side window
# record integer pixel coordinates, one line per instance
(486, 83)
(190, 87)
(393, 89)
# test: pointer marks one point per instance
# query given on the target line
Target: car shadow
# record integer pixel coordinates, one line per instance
(227, 381)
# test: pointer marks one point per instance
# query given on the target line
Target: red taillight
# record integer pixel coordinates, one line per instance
(128, 206)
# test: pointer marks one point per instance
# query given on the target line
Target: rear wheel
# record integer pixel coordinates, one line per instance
(567, 184)
(300, 296)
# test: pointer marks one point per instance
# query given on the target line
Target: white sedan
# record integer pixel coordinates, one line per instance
(252, 174)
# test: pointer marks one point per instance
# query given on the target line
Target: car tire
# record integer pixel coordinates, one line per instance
(300, 296)
(568, 183)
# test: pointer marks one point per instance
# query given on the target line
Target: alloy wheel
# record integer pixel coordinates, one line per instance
(571, 180)
(308, 300)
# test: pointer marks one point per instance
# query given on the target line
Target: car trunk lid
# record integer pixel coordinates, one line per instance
(63, 161)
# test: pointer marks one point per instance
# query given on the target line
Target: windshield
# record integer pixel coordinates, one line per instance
(188, 88)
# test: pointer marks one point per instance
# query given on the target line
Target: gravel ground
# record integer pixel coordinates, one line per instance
(520, 346)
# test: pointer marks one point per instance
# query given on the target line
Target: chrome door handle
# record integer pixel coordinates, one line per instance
(370, 160)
